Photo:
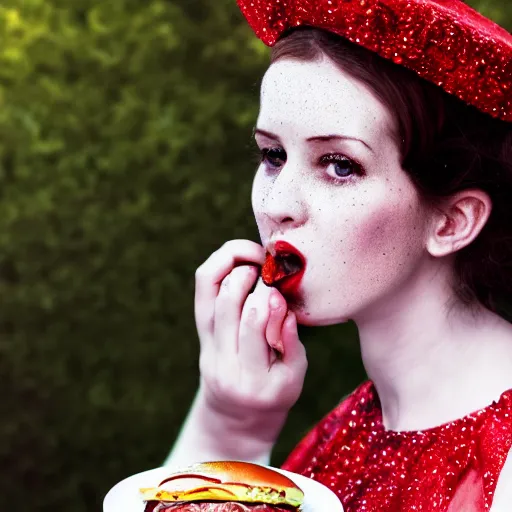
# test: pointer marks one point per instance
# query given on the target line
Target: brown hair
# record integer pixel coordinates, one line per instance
(446, 146)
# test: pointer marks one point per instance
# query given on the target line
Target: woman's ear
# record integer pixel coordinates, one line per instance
(458, 221)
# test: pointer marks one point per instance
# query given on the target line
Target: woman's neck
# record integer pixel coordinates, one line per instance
(431, 363)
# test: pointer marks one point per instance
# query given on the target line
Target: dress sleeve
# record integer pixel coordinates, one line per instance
(494, 446)
(313, 444)
(304, 452)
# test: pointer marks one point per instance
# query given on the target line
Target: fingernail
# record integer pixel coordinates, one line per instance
(274, 301)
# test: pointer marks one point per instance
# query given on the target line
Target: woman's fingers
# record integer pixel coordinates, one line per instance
(278, 310)
(229, 303)
(212, 272)
(253, 349)
(294, 353)
(237, 329)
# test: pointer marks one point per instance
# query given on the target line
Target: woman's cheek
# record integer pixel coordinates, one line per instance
(387, 241)
(257, 198)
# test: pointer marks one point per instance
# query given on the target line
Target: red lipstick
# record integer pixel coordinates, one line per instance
(284, 268)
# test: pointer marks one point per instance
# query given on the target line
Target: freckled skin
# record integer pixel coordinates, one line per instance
(363, 237)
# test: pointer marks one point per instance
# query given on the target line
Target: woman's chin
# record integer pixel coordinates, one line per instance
(310, 318)
(310, 310)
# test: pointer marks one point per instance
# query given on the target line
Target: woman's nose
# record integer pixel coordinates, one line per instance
(283, 203)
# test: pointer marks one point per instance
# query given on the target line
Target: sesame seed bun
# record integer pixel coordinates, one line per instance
(228, 481)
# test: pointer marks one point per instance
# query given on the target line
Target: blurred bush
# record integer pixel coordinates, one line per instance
(125, 160)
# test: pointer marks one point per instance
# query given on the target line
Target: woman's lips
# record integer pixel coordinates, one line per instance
(289, 285)
(284, 268)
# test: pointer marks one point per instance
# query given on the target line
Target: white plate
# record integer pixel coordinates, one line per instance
(124, 496)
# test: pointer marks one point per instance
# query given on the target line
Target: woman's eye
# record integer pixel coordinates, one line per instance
(275, 157)
(339, 166)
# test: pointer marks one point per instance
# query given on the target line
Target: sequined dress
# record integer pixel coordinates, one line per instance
(448, 468)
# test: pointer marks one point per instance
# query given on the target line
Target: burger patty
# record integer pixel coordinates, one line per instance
(214, 506)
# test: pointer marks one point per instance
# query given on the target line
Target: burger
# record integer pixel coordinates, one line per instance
(226, 486)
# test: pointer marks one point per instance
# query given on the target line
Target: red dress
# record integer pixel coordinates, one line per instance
(448, 468)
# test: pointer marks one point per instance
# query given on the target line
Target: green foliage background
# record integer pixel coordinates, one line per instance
(125, 160)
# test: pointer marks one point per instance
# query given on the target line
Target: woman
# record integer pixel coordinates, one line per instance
(394, 197)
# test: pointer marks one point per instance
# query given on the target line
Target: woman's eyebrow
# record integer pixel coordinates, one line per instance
(329, 138)
(259, 131)
(316, 138)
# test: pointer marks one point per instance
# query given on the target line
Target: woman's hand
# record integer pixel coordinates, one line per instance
(241, 377)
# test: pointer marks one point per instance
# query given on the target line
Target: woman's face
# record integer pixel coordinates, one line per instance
(331, 184)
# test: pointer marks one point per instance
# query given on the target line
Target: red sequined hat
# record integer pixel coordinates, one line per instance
(444, 41)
